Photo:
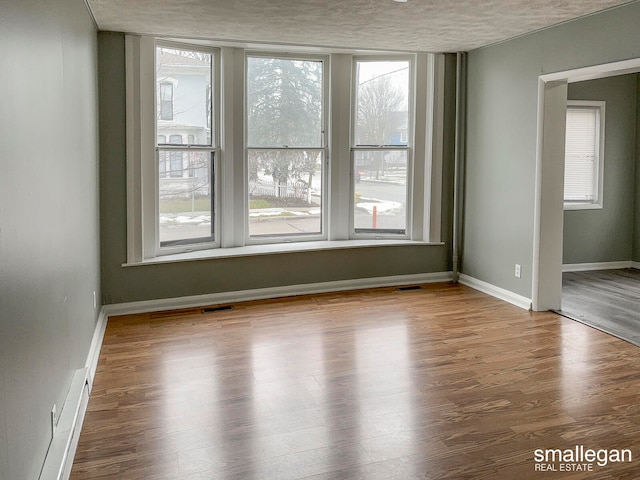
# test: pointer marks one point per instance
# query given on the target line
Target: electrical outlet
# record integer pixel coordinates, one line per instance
(518, 271)
(54, 420)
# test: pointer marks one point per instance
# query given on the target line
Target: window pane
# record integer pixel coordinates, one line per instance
(183, 85)
(382, 99)
(185, 195)
(284, 102)
(581, 154)
(380, 191)
(285, 192)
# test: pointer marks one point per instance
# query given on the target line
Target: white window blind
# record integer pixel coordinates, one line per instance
(582, 154)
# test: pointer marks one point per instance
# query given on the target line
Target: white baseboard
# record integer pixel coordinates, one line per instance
(635, 265)
(96, 344)
(57, 464)
(585, 267)
(273, 292)
(500, 293)
(59, 460)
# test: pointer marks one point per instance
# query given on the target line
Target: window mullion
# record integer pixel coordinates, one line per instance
(434, 147)
(339, 172)
(148, 153)
(231, 186)
(420, 203)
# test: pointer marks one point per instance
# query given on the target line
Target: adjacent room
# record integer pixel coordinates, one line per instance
(601, 281)
(314, 240)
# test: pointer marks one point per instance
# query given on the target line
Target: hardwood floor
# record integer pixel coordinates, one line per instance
(605, 299)
(437, 382)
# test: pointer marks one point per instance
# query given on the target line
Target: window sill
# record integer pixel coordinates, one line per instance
(254, 250)
(582, 206)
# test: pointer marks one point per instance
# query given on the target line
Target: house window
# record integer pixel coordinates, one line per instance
(165, 99)
(380, 151)
(584, 155)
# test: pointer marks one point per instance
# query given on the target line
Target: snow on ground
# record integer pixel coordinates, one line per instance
(383, 206)
(176, 219)
(367, 204)
(274, 212)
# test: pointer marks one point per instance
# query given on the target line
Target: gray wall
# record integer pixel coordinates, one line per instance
(606, 235)
(636, 215)
(49, 243)
(502, 129)
(127, 284)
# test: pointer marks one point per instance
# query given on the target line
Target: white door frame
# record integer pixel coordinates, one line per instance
(549, 182)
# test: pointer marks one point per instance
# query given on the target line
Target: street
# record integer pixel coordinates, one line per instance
(388, 198)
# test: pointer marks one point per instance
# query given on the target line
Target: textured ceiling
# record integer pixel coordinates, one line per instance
(421, 25)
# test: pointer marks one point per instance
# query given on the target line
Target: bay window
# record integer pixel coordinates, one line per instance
(229, 148)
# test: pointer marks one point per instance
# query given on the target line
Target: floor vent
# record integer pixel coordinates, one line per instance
(410, 287)
(221, 308)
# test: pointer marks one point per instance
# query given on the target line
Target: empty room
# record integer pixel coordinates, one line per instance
(319, 239)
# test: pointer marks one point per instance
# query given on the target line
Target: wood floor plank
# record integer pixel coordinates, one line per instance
(434, 383)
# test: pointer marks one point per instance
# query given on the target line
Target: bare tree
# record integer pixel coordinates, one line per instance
(380, 111)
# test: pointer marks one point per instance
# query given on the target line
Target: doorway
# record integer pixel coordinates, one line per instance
(549, 182)
(599, 285)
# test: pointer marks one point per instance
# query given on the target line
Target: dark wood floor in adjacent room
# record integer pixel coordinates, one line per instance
(438, 382)
(606, 299)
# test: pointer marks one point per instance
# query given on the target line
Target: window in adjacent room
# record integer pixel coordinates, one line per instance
(584, 155)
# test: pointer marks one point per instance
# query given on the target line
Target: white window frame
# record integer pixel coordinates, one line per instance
(142, 174)
(273, 239)
(229, 139)
(597, 202)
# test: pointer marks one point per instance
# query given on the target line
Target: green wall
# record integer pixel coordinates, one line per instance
(502, 106)
(49, 239)
(606, 235)
(127, 284)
